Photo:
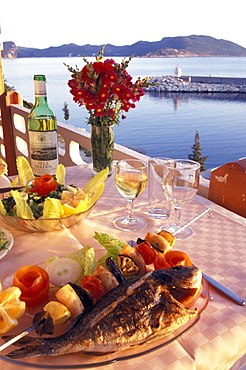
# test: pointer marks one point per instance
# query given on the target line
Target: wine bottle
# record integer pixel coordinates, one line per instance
(42, 132)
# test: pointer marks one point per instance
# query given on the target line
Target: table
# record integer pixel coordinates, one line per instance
(218, 340)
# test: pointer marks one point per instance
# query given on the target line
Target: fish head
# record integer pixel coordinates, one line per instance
(183, 283)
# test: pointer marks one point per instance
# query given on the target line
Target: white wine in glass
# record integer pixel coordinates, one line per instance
(180, 185)
(131, 180)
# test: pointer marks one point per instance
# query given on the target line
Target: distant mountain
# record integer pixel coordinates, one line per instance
(182, 46)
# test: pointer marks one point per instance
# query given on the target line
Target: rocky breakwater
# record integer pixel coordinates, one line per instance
(177, 84)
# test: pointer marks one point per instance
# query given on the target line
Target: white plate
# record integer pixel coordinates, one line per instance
(9, 238)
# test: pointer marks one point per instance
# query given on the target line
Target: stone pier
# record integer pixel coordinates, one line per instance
(197, 84)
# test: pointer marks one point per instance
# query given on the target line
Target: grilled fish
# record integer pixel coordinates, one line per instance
(137, 311)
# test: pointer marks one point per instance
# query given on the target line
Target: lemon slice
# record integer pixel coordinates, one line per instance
(100, 177)
(68, 210)
(24, 170)
(59, 313)
(6, 323)
(60, 174)
(11, 308)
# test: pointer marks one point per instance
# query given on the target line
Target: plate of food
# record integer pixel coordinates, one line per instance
(137, 308)
(6, 242)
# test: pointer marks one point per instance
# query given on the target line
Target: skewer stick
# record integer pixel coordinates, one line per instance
(21, 335)
(208, 210)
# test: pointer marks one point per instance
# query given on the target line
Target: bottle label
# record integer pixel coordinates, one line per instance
(40, 88)
(44, 155)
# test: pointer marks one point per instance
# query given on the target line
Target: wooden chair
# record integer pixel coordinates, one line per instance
(228, 186)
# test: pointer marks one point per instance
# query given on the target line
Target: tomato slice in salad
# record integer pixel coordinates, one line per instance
(44, 184)
(33, 282)
(147, 252)
(94, 286)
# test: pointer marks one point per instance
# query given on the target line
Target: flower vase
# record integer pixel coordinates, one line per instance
(102, 146)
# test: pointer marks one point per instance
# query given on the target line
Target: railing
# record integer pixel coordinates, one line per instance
(14, 139)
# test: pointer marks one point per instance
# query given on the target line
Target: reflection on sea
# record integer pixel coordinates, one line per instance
(178, 98)
(165, 124)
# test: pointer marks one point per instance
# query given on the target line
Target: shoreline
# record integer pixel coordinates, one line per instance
(197, 84)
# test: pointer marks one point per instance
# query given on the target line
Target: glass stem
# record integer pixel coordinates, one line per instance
(177, 215)
(130, 217)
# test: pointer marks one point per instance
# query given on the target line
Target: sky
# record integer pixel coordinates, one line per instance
(119, 22)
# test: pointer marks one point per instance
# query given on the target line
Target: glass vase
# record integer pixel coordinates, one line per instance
(102, 146)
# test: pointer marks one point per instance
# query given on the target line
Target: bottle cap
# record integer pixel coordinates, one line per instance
(39, 78)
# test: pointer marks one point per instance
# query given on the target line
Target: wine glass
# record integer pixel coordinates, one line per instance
(131, 180)
(180, 184)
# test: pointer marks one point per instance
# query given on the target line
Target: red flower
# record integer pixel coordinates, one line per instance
(102, 96)
(127, 106)
(105, 88)
(99, 111)
(73, 84)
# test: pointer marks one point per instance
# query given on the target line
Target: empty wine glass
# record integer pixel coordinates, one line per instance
(131, 180)
(180, 185)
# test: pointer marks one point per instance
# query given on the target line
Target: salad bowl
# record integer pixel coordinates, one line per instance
(45, 225)
(46, 203)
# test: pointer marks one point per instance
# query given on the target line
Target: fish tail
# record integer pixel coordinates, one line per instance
(29, 347)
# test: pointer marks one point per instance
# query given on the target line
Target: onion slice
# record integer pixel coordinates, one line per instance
(63, 270)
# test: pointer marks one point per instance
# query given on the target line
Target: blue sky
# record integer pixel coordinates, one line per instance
(118, 22)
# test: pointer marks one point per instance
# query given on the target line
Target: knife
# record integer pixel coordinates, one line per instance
(215, 284)
(222, 289)
(7, 190)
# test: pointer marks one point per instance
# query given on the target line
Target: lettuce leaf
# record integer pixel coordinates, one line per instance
(86, 259)
(60, 174)
(2, 209)
(51, 259)
(112, 245)
(22, 208)
(90, 261)
(52, 208)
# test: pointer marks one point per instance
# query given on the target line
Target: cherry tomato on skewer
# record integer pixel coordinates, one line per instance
(147, 252)
(94, 286)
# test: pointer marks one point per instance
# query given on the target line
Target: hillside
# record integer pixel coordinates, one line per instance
(184, 46)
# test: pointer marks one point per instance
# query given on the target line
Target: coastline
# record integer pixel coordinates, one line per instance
(197, 84)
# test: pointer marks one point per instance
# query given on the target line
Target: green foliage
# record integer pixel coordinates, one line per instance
(6, 86)
(66, 112)
(196, 155)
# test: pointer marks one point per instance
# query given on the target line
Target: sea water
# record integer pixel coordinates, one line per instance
(162, 124)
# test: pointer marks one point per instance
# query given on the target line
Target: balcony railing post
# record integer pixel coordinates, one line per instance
(8, 140)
